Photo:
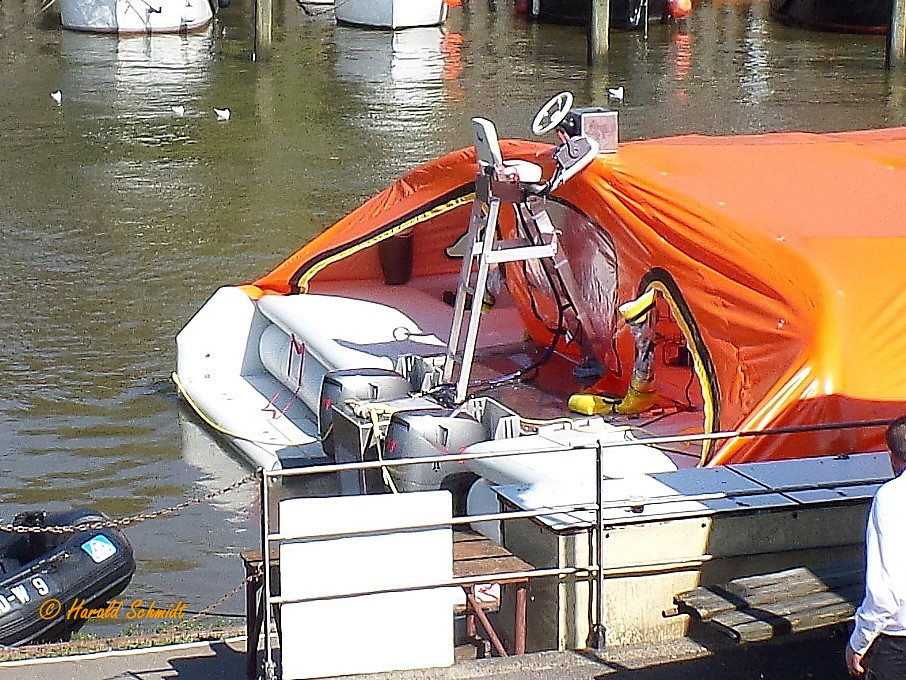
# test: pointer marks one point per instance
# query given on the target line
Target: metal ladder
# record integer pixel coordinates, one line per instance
(493, 188)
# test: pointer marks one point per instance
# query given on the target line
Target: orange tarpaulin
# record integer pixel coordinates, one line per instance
(786, 250)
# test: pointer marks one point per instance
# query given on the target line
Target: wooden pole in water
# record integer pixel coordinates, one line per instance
(264, 14)
(599, 31)
(896, 36)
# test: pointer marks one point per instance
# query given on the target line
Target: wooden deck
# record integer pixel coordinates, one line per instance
(761, 607)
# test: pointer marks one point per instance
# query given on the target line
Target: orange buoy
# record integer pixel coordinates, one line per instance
(453, 3)
(679, 8)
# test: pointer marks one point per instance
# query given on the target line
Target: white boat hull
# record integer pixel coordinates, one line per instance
(254, 369)
(392, 14)
(135, 16)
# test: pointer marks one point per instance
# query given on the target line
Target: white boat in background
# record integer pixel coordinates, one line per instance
(136, 16)
(392, 14)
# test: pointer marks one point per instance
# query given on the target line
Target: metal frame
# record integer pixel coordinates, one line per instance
(268, 539)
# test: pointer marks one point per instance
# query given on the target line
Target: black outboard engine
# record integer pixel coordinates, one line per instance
(38, 543)
(363, 384)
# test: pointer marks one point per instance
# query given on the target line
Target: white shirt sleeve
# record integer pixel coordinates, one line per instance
(880, 607)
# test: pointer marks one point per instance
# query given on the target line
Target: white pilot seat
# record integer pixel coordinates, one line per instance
(487, 148)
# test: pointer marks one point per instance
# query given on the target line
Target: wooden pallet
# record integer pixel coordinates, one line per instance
(757, 608)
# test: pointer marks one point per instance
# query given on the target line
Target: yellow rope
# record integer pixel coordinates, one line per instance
(229, 433)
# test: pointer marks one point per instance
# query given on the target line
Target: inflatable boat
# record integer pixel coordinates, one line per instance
(533, 298)
(47, 578)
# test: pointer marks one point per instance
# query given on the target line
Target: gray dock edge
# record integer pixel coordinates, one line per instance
(807, 657)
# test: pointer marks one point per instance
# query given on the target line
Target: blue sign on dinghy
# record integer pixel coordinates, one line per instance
(45, 575)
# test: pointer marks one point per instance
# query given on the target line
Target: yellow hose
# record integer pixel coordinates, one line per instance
(641, 394)
(635, 401)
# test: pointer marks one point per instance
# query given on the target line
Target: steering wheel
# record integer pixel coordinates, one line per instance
(553, 113)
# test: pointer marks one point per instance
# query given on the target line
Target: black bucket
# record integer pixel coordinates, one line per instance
(396, 259)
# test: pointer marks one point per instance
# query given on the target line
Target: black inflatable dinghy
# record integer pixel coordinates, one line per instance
(43, 575)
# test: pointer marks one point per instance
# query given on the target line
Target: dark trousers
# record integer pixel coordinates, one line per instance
(886, 658)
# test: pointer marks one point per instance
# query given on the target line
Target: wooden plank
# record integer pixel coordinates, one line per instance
(466, 550)
(490, 567)
(707, 601)
(475, 555)
(791, 608)
(833, 575)
(758, 630)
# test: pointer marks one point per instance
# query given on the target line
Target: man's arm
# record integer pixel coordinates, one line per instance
(880, 606)
(853, 661)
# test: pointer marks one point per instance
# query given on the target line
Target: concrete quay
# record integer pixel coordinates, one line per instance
(807, 657)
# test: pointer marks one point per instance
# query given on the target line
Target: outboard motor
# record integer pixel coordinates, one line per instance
(363, 384)
(428, 433)
(38, 543)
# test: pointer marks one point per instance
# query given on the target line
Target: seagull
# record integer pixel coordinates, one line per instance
(178, 110)
(616, 93)
(222, 114)
(57, 96)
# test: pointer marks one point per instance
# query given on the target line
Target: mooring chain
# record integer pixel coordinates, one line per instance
(130, 519)
(223, 598)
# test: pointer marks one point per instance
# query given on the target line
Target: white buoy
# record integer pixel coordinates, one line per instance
(222, 114)
(616, 93)
(178, 110)
(57, 96)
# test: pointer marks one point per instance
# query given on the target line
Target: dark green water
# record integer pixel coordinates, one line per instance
(118, 218)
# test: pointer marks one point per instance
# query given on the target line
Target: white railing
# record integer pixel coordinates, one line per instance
(598, 507)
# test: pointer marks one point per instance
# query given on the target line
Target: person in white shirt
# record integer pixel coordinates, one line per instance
(877, 647)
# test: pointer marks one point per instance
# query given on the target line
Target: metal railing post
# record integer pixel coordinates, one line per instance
(269, 666)
(600, 631)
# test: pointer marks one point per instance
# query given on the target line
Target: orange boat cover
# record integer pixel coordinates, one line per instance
(788, 250)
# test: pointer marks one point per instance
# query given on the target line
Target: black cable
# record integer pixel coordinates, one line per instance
(521, 374)
(689, 385)
(533, 302)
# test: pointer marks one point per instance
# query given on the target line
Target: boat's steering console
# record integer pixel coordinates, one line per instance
(573, 153)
